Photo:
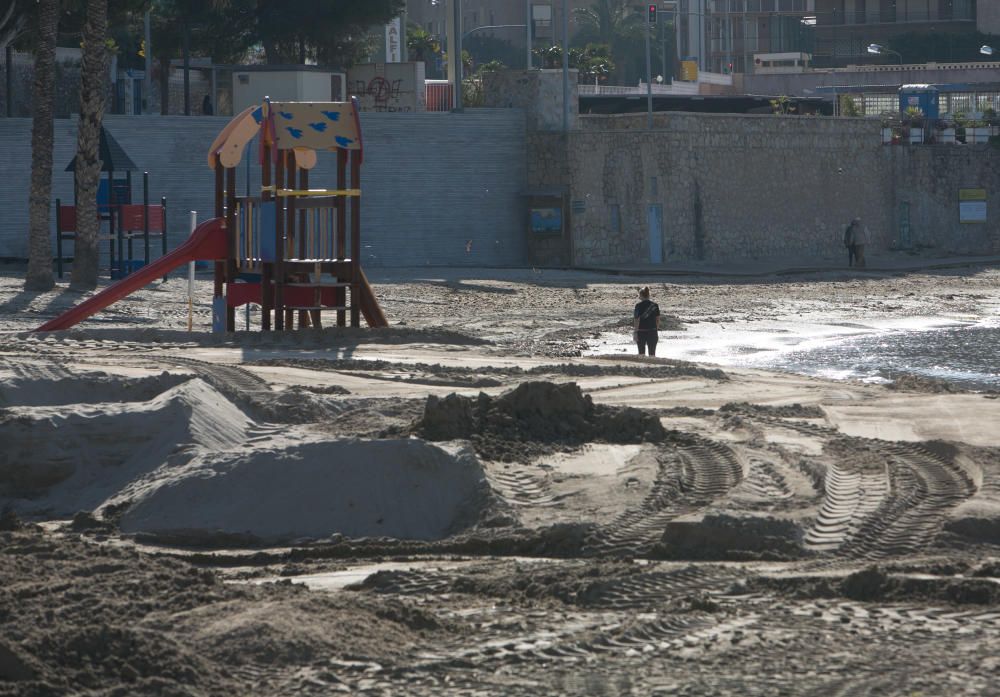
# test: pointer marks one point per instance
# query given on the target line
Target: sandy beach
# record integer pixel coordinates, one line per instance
(493, 496)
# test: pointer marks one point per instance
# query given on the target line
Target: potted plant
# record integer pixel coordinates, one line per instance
(887, 128)
(893, 130)
(945, 131)
(961, 124)
(979, 133)
(990, 117)
(913, 118)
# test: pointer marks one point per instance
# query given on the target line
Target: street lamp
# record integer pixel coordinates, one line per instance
(879, 48)
(986, 50)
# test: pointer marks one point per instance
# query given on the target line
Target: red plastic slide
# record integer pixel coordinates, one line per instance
(206, 243)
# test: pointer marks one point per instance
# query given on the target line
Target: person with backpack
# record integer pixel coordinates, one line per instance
(646, 323)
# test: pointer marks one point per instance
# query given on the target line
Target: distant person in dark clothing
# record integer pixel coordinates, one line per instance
(206, 106)
(852, 236)
(646, 322)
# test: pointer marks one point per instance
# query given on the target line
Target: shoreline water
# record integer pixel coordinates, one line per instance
(963, 353)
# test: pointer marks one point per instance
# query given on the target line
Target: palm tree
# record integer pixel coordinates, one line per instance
(615, 23)
(422, 46)
(93, 73)
(39, 276)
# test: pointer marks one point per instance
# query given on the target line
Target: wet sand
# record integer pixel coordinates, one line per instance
(469, 503)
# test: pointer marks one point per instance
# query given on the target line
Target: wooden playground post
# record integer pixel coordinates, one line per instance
(145, 220)
(290, 226)
(356, 240)
(341, 294)
(279, 244)
(310, 317)
(219, 212)
(266, 268)
(229, 270)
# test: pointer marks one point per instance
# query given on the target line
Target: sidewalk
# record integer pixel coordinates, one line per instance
(882, 262)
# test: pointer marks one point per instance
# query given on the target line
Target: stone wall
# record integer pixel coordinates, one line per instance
(537, 92)
(927, 180)
(730, 187)
(67, 99)
(548, 185)
(734, 187)
(67, 84)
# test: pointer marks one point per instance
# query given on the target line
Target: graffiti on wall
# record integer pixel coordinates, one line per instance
(389, 87)
(383, 94)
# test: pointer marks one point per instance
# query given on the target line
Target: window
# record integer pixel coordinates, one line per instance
(616, 217)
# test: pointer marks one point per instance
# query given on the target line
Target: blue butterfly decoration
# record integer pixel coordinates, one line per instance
(296, 132)
(257, 114)
(332, 115)
(342, 141)
(287, 115)
(319, 126)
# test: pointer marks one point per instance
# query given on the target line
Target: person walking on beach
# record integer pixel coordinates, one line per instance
(646, 322)
(851, 234)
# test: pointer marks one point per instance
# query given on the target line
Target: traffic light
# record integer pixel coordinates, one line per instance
(652, 13)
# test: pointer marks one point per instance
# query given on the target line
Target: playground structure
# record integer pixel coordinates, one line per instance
(126, 221)
(294, 251)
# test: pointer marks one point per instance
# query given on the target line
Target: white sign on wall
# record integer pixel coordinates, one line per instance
(972, 205)
(393, 42)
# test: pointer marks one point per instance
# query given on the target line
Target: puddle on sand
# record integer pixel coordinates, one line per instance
(966, 354)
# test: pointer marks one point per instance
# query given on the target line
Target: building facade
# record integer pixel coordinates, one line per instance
(722, 36)
(499, 19)
(845, 28)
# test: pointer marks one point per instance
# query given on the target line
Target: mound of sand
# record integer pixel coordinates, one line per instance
(85, 388)
(405, 489)
(537, 411)
(63, 460)
(727, 537)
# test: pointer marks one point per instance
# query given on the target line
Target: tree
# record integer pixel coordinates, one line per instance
(221, 29)
(486, 48)
(616, 24)
(593, 62)
(13, 19)
(422, 46)
(39, 275)
(328, 30)
(93, 74)
(590, 62)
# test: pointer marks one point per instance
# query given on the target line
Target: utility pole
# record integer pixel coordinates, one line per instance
(650, 21)
(527, 29)
(453, 30)
(663, 49)
(147, 82)
(565, 65)
(9, 78)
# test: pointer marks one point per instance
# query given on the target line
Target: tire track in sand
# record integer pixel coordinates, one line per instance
(927, 487)
(693, 473)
